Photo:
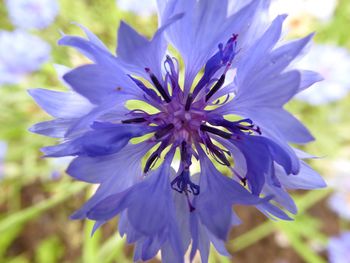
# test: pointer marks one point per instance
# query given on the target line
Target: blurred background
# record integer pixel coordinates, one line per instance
(37, 197)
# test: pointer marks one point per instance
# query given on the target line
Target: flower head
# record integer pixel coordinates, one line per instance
(32, 14)
(15, 60)
(162, 208)
(339, 248)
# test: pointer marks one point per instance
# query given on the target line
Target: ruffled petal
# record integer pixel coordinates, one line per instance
(137, 53)
(103, 139)
(55, 128)
(306, 179)
(205, 27)
(105, 168)
(96, 82)
(61, 104)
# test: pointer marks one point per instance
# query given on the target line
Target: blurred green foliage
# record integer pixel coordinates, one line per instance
(34, 207)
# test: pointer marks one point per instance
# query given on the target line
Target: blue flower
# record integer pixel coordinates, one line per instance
(32, 14)
(338, 202)
(3, 150)
(143, 8)
(15, 60)
(339, 248)
(228, 111)
(334, 64)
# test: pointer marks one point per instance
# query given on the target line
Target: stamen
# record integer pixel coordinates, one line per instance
(216, 87)
(188, 102)
(151, 161)
(217, 153)
(146, 90)
(216, 131)
(134, 120)
(158, 86)
(161, 133)
(154, 156)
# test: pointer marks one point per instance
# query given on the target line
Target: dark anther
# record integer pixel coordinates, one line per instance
(162, 132)
(183, 150)
(216, 131)
(241, 178)
(155, 155)
(151, 161)
(221, 156)
(158, 86)
(216, 87)
(188, 102)
(217, 153)
(135, 120)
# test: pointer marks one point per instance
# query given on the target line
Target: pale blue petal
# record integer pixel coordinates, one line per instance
(55, 128)
(100, 169)
(308, 78)
(96, 83)
(306, 179)
(61, 104)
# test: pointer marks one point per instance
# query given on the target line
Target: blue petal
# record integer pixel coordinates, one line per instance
(150, 247)
(55, 128)
(282, 123)
(92, 37)
(219, 189)
(113, 180)
(108, 138)
(308, 78)
(113, 104)
(100, 169)
(152, 202)
(269, 92)
(96, 82)
(104, 139)
(260, 153)
(306, 179)
(273, 211)
(259, 51)
(125, 227)
(200, 240)
(90, 49)
(280, 196)
(204, 27)
(108, 207)
(281, 57)
(61, 104)
(139, 53)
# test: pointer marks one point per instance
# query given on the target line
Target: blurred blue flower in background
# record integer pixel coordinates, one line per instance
(20, 53)
(161, 208)
(3, 150)
(58, 165)
(333, 63)
(32, 14)
(143, 8)
(339, 201)
(339, 248)
(322, 10)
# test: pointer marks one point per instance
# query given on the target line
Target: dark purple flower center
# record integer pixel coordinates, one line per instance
(183, 120)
